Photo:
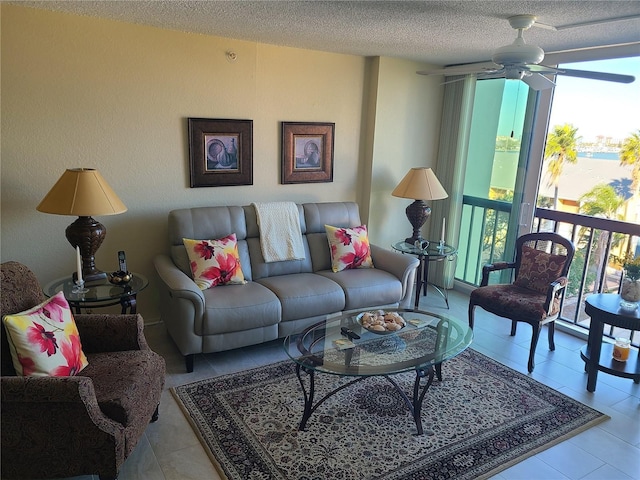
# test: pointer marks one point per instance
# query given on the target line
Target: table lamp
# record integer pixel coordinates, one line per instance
(83, 192)
(420, 184)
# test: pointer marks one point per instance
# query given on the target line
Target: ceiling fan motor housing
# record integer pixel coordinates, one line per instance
(518, 53)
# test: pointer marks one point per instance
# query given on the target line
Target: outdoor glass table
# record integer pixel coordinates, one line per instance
(425, 342)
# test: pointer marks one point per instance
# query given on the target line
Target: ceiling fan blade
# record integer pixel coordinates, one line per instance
(542, 69)
(538, 82)
(597, 22)
(462, 69)
(589, 23)
(607, 77)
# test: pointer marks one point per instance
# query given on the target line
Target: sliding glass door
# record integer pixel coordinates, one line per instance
(501, 179)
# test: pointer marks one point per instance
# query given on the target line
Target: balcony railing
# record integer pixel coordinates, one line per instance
(485, 237)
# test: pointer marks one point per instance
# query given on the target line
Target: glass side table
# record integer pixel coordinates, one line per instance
(433, 252)
(100, 293)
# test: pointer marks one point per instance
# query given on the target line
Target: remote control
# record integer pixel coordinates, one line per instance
(349, 333)
(122, 261)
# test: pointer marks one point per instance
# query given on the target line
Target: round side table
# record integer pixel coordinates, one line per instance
(433, 252)
(604, 308)
(100, 293)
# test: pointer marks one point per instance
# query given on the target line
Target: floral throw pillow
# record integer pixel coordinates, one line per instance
(44, 340)
(214, 262)
(538, 269)
(349, 247)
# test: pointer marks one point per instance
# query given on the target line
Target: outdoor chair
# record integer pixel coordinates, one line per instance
(87, 424)
(541, 267)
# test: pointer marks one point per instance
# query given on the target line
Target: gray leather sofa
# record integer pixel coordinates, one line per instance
(279, 298)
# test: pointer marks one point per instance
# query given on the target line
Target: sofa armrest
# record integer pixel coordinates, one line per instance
(178, 284)
(62, 415)
(64, 400)
(555, 290)
(494, 267)
(111, 333)
(402, 266)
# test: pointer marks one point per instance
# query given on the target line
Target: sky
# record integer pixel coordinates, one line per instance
(597, 107)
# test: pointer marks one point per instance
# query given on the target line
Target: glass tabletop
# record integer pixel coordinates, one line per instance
(98, 291)
(426, 339)
(432, 249)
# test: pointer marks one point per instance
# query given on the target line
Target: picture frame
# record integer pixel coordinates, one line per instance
(220, 152)
(307, 152)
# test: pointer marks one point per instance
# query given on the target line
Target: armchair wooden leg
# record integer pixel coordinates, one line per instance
(514, 326)
(472, 307)
(534, 343)
(552, 327)
(189, 362)
(156, 414)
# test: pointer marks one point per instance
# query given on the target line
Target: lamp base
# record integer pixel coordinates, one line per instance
(417, 214)
(88, 234)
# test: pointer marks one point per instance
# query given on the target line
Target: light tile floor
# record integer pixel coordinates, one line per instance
(170, 450)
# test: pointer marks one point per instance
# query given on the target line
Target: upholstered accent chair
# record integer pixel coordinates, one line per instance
(541, 267)
(54, 427)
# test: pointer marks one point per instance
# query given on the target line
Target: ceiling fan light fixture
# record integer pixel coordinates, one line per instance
(518, 52)
(514, 74)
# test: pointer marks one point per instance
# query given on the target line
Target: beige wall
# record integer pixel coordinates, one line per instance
(84, 92)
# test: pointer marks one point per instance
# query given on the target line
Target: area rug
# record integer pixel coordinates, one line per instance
(480, 419)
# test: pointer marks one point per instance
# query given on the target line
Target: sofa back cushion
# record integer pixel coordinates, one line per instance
(317, 215)
(207, 223)
(261, 269)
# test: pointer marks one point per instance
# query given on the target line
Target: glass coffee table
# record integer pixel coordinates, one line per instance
(341, 346)
(100, 293)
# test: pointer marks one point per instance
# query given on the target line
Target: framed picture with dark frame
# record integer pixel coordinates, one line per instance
(220, 152)
(307, 152)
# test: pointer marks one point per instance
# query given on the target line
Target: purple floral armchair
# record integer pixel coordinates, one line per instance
(55, 427)
(541, 268)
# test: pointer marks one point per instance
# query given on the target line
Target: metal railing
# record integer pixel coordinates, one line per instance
(485, 238)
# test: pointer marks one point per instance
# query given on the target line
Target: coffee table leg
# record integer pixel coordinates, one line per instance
(418, 394)
(308, 396)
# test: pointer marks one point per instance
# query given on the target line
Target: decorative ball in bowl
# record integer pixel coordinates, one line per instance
(120, 277)
(381, 322)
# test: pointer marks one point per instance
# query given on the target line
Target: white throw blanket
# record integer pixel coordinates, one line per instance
(280, 233)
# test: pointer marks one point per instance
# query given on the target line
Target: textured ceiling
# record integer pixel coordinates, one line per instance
(436, 32)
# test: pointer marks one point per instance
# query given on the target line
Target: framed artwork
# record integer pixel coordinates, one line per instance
(220, 152)
(307, 152)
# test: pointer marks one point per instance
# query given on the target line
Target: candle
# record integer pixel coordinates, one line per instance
(78, 264)
(444, 220)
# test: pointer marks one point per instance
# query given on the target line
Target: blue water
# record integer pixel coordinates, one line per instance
(599, 155)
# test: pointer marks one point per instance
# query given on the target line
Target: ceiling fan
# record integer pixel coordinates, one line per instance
(521, 61)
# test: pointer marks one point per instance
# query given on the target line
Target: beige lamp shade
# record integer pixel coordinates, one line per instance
(420, 184)
(81, 192)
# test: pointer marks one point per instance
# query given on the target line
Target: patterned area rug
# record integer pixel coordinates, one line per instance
(482, 418)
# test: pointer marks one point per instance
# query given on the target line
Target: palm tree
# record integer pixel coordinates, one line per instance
(560, 148)
(630, 155)
(601, 201)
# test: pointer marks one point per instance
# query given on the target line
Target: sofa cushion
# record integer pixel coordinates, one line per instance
(362, 287)
(538, 269)
(503, 300)
(234, 308)
(349, 247)
(125, 382)
(214, 262)
(44, 340)
(304, 295)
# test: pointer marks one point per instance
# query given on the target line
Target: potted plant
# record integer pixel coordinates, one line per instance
(630, 288)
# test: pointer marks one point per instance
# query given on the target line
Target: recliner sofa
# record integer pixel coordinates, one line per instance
(279, 298)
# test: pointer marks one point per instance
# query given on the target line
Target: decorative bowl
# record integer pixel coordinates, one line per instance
(379, 316)
(120, 277)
